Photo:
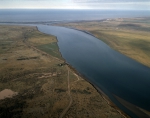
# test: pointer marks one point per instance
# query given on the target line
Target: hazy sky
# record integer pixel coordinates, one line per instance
(77, 4)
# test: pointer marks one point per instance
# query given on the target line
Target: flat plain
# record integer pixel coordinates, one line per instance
(39, 84)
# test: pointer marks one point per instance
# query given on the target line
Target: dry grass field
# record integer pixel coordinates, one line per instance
(37, 82)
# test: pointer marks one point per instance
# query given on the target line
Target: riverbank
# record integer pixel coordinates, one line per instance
(136, 110)
(129, 36)
(115, 33)
(103, 95)
(33, 69)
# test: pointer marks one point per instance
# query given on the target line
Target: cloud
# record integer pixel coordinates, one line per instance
(108, 1)
(77, 4)
(115, 4)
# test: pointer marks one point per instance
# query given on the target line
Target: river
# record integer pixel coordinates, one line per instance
(112, 72)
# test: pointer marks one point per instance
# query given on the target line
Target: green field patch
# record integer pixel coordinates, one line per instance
(81, 91)
(134, 26)
(51, 48)
(143, 45)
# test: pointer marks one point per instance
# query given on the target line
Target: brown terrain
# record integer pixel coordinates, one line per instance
(35, 82)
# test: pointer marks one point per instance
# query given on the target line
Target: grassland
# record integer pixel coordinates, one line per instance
(31, 65)
(131, 37)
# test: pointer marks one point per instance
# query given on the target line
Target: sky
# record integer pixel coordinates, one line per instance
(76, 4)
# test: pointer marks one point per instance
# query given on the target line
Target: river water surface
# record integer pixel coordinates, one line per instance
(112, 72)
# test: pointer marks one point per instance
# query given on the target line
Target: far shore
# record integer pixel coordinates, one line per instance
(91, 28)
(133, 108)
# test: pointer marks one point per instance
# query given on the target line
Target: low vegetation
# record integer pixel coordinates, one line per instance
(32, 67)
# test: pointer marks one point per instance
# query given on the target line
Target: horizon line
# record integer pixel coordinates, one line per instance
(71, 9)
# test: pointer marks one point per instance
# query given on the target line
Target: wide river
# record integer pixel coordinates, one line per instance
(112, 72)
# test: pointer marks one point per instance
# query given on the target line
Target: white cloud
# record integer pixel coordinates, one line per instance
(77, 4)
